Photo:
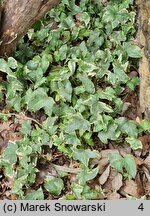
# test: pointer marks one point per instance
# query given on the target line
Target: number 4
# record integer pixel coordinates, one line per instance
(141, 207)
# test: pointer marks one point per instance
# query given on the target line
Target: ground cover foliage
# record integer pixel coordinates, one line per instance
(70, 123)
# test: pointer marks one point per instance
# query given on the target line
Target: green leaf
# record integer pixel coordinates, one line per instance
(49, 126)
(9, 153)
(87, 175)
(111, 133)
(87, 83)
(24, 150)
(54, 185)
(77, 122)
(39, 99)
(87, 67)
(127, 162)
(116, 161)
(145, 124)
(8, 158)
(65, 90)
(130, 165)
(118, 76)
(45, 62)
(127, 126)
(9, 170)
(108, 94)
(90, 193)
(62, 54)
(134, 143)
(84, 155)
(4, 67)
(32, 65)
(72, 139)
(77, 190)
(97, 106)
(72, 66)
(35, 195)
(115, 15)
(85, 18)
(15, 102)
(135, 198)
(133, 83)
(26, 127)
(12, 63)
(132, 49)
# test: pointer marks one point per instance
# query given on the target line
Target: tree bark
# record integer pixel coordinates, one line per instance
(17, 17)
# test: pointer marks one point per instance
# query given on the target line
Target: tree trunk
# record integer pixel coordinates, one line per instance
(17, 17)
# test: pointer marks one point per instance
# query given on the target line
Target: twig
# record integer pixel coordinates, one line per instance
(66, 169)
(22, 116)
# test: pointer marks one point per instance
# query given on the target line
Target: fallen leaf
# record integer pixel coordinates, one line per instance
(146, 181)
(103, 178)
(145, 142)
(105, 153)
(147, 162)
(113, 196)
(107, 187)
(139, 161)
(130, 188)
(5, 125)
(140, 188)
(102, 165)
(117, 182)
(124, 149)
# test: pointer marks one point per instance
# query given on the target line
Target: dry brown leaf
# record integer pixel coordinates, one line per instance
(102, 164)
(140, 188)
(124, 149)
(107, 187)
(113, 196)
(130, 188)
(103, 178)
(15, 136)
(5, 125)
(146, 181)
(145, 142)
(8, 132)
(3, 143)
(105, 153)
(117, 182)
(147, 162)
(139, 161)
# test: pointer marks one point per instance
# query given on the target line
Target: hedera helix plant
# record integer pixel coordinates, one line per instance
(74, 69)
